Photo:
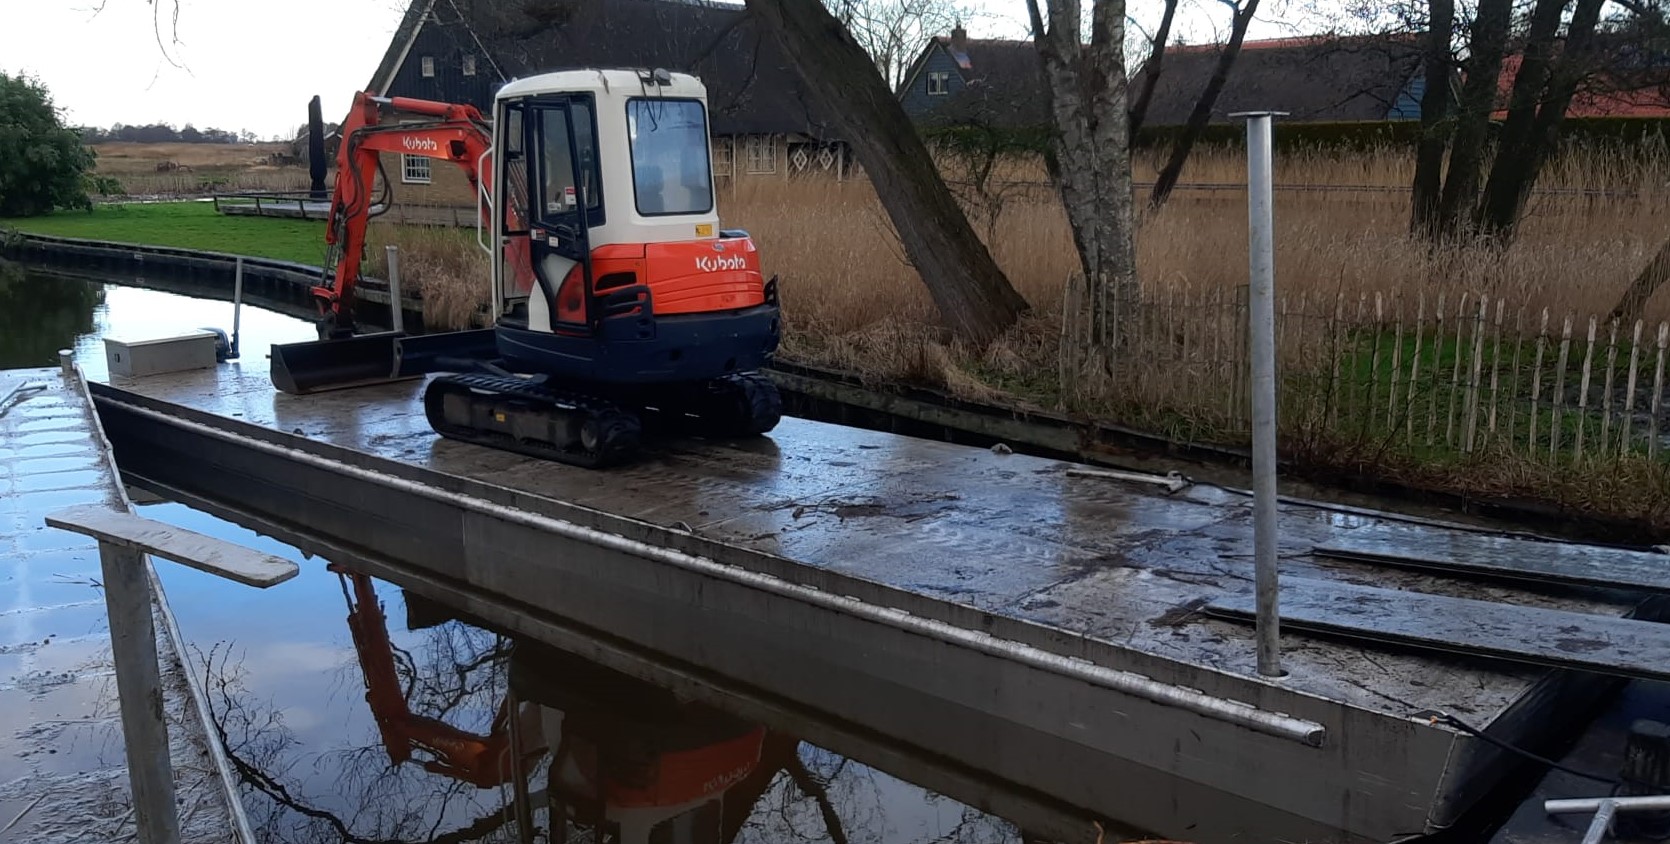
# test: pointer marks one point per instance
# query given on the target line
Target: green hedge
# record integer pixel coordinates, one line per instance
(1343, 136)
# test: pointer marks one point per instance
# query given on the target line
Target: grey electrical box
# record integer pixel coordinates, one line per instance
(138, 358)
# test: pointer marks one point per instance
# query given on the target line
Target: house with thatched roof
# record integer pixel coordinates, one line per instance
(1000, 84)
(763, 124)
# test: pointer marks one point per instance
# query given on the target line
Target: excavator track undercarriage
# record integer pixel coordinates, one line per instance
(528, 416)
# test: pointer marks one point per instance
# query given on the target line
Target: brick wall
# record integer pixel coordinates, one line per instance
(447, 184)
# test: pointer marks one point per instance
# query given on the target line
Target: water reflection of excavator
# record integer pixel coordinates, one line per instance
(627, 760)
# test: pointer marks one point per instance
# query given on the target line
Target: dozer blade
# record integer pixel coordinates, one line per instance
(319, 365)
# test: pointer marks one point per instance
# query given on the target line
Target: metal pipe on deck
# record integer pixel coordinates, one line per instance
(1261, 313)
(397, 318)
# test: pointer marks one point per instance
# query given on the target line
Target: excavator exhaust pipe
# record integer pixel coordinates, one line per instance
(370, 359)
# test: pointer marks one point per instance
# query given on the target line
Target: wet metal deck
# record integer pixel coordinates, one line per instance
(63, 775)
(1006, 548)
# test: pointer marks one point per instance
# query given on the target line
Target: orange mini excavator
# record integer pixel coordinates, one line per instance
(616, 298)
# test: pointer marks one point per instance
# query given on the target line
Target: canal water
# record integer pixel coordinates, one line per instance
(357, 712)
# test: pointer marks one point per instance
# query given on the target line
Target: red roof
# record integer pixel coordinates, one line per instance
(1647, 102)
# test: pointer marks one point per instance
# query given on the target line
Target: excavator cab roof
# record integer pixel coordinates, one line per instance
(633, 81)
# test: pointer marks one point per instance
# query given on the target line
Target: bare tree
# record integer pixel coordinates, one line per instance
(1151, 69)
(893, 31)
(1092, 163)
(1487, 48)
(1437, 61)
(1534, 115)
(1243, 11)
(973, 295)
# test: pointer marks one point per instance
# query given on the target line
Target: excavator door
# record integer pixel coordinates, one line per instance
(553, 198)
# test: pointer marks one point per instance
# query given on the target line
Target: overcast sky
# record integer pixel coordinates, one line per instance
(253, 64)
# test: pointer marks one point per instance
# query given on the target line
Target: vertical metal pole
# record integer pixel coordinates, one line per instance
(237, 302)
(1261, 314)
(133, 643)
(397, 317)
(66, 361)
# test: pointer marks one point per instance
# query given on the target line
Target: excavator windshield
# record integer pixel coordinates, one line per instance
(671, 171)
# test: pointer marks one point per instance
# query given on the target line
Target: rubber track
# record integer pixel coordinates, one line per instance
(621, 429)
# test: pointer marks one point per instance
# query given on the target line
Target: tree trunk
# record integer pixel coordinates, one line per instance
(1516, 139)
(1435, 125)
(1151, 71)
(1472, 131)
(1092, 164)
(1202, 113)
(974, 297)
(1643, 287)
(1506, 194)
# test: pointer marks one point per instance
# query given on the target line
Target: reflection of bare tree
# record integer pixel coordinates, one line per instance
(382, 804)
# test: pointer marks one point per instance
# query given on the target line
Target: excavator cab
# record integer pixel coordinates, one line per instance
(617, 300)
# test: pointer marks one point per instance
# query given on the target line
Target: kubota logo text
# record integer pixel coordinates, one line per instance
(420, 143)
(722, 263)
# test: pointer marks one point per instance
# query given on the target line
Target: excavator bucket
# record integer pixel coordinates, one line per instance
(319, 365)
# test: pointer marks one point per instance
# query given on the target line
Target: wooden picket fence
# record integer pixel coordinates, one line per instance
(1439, 375)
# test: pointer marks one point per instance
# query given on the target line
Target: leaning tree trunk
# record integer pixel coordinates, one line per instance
(1202, 113)
(1435, 126)
(1640, 290)
(1151, 71)
(1092, 166)
(1516, 140)
(1505, 197)
(974, 297)
(1472, 130)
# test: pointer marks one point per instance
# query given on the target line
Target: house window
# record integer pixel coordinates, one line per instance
(428, 66)
(724, 156)
(939, 83)
(414, 169)
(762, 154)
(469, 64)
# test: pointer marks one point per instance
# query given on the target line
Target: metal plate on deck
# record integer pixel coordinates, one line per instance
(1510, 559)
(1533, 635)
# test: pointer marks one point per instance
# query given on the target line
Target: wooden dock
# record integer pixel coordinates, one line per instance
(55, 650)
(302, 206)
(1059, 631)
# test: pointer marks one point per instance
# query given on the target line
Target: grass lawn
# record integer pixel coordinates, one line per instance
(189, 225)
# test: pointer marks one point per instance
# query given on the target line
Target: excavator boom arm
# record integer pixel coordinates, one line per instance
(452, 132)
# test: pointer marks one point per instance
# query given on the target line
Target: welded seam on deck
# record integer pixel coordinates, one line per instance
(171, 627)
(1127, 682)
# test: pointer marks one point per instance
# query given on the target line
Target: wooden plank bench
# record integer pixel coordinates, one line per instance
(189, 548)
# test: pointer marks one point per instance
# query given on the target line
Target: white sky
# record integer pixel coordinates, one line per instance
(253, 64)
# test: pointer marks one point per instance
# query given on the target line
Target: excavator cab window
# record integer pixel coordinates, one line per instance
(671, 170)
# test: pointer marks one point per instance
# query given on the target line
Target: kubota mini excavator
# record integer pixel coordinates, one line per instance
(616, 297)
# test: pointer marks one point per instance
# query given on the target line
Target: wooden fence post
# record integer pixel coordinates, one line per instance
(1473, 382)
(1536, 384)
(1495, 368)
(1629, 394)
(1437, 357)
(1658, 392)
(1606, 397)
(1456, 370)
(1558, 400)
(1415, 367)
(1583, 392)
(1371, 412)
